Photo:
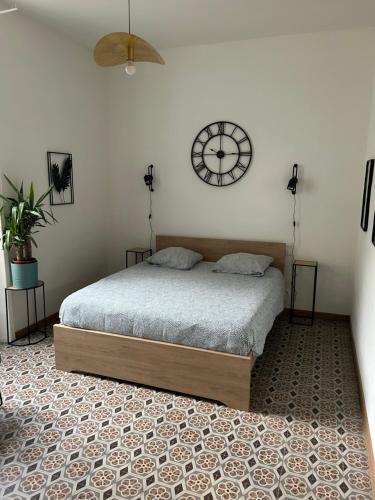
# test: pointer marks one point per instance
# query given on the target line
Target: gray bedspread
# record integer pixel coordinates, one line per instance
(223, 312)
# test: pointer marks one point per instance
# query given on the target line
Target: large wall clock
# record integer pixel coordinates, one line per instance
(221, 153)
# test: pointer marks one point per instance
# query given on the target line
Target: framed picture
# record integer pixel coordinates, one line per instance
(366, 199)
(60, 175)
(373, 231)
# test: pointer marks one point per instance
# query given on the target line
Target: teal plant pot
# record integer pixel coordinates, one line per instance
(24, 274)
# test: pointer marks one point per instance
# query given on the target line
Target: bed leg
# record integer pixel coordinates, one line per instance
(239, 402)
(63, 368)
(240, 397)
(61, 358)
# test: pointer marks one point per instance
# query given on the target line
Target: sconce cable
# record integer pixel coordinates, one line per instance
(294, 226)
(150, 220)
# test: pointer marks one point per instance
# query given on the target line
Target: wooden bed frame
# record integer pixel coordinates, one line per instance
(198, 372)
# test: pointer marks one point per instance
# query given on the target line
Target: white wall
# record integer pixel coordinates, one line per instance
(52, 97)
(363, 319)
(301, 98)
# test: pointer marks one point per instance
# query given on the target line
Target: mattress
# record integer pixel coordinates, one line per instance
(223, 312)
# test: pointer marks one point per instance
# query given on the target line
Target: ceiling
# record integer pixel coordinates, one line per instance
(175, 23)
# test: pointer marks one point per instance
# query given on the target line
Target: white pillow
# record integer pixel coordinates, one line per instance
(243, 263)
(175, 258)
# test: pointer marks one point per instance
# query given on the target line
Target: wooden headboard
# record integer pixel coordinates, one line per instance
(213, 249)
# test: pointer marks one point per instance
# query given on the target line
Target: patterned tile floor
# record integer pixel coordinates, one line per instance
(66, 436)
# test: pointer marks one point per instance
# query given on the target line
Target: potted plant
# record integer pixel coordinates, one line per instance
(23, 213)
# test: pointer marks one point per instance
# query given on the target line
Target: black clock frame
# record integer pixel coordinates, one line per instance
(221, 154)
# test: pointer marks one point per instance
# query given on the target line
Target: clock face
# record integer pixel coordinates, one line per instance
(221, 153)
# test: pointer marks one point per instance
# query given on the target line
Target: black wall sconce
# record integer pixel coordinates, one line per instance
(293, 181)
(149, 178)
(292, 187)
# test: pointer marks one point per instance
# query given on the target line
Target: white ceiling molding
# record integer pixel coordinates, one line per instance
(176, 23)
(7, 9)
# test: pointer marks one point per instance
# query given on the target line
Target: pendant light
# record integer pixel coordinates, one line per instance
(125, 48)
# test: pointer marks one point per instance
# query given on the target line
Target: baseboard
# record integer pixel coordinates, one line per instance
(52, 318)
(319, 315)
(366, 427)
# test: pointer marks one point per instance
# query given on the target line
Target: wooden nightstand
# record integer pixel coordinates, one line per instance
(137, 251)
(310, 319)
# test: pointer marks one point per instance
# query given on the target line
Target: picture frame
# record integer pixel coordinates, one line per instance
(366, 198)
(60, 176)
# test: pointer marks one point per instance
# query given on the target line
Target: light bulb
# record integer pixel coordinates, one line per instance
(130, 68)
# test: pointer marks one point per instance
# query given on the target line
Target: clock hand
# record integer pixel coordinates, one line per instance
(215, 154)
(212, 150)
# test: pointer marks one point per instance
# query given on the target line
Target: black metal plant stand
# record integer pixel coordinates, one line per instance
(30, 330)
(137, 252)
(308, 320)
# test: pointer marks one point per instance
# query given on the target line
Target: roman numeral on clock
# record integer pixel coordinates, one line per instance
(198, 168)
(231, 173)
(241, 166)
(242, 140)
(234, 130)
(209, 132)
(221, 128)
(208, 176)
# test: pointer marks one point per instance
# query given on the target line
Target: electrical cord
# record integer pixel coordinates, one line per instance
(150, 220)
(294, 240)
(294, 225)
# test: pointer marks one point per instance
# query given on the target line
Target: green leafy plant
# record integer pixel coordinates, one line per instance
(23, 213)
(62, 179)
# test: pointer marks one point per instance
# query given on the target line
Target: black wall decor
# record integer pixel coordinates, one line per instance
(221, 153)
(366, 199)
(60, 175)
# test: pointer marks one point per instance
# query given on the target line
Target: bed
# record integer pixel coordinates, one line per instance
(195, 332)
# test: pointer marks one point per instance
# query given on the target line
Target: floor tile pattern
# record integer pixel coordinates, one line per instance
(71, 436)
